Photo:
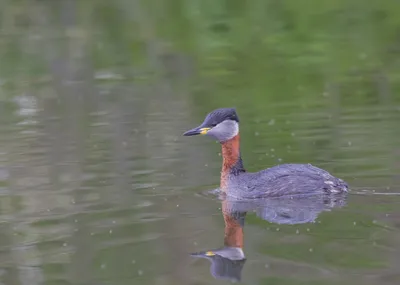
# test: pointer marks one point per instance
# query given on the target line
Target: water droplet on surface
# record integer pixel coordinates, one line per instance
(177, 205)
(349, 143)
(311, 250)
(64, 244)
(297, 231)
(354, 223)
(140, 272)
(133, 261)
(277, 229)
(103, 266)
(110, 231)
(271, 122)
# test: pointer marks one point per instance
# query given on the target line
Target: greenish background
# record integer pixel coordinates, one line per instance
(97, 184)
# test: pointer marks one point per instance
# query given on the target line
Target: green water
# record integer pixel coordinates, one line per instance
(98, 185)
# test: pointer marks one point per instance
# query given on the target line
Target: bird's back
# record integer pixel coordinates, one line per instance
(285, 179)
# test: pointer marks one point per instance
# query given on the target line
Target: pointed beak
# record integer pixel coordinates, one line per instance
(196, 131)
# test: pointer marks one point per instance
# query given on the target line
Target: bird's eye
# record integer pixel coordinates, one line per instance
(213, 125)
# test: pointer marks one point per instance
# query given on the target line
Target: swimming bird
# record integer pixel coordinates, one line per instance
(285, 179)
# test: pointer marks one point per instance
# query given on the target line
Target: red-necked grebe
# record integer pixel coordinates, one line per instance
(285, 179)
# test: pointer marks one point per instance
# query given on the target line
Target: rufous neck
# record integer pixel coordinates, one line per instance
(232, 161)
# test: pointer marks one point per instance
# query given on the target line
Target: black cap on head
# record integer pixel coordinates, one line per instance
(219, 115)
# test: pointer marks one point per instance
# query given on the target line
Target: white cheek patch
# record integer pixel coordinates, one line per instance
(225, 130)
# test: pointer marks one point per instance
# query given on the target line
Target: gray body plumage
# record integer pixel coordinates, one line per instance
(284, 179)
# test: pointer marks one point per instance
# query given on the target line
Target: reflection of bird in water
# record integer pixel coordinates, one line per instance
(227, 262)
(286, 210)
(285, 179)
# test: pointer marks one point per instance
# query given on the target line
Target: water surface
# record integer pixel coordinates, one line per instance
(98, 185)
